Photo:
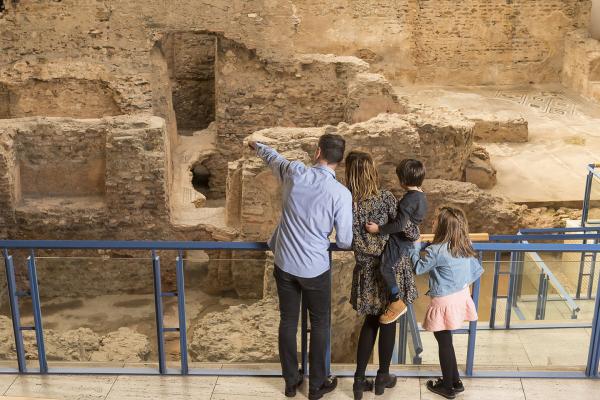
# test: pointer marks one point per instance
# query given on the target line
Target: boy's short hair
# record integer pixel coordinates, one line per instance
(332, 148)
(411, 172)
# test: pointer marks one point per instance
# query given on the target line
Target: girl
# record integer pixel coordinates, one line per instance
(369, 294)
(452, 266)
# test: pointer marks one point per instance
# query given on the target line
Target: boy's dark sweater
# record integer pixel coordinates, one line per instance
(413, 207)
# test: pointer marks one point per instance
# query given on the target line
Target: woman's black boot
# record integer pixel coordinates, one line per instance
(361, 384)
(384, 381)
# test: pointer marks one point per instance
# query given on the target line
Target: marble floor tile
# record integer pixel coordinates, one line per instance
(63, 387)
(272, 388)
(555, 389)
(232, 387)
(483, 389)
(551, 348)
(162, 387)
(5, 382)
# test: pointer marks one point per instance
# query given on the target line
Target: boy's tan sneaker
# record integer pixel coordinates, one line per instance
(394, 310)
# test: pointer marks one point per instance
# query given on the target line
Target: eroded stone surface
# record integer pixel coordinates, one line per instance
(81, 344)
(479, 169)
(485, 212)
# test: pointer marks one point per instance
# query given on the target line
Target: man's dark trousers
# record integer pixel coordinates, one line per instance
(317, 295)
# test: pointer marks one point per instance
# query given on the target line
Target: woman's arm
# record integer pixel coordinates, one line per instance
(425, 263)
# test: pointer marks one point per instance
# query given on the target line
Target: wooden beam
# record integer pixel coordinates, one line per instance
(475, 237)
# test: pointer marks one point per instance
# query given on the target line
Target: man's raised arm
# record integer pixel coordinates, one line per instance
(280, 166)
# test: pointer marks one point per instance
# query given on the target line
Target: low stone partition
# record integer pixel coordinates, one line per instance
(94, 178)
(500, 127)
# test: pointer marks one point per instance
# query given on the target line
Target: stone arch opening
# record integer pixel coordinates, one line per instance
(201, 177)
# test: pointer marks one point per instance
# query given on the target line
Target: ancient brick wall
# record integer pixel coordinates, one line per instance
(445, 41)
(473, 41)
(493, 42)
(306, 91)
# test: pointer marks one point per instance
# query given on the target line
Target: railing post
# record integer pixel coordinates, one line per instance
(497, 264)
(158, 310)
(473, 331)
(37, 313)
(592, 272)
(511, 289)
(542, 297)
(473, 326)
(14, 310)
(594, 349)
(402, 339)
(181, 310)
(414, 332)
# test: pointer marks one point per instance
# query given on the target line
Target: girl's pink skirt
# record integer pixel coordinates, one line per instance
(450, 312)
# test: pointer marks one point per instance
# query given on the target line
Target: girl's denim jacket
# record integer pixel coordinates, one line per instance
(447, 274)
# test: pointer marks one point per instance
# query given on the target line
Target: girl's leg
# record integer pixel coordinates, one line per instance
(447, 357)
(387, 337)
(366, 341)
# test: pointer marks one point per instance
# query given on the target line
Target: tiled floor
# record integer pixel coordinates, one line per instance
(234, 388)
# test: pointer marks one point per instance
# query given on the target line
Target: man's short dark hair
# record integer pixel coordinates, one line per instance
(332, 148)
(411, 172)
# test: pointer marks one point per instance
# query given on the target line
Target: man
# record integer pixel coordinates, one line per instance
(314, 202)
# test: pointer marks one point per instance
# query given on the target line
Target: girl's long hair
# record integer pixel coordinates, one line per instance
(452, 227)
(362, 178)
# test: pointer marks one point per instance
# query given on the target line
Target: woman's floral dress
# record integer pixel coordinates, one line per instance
(369, 294)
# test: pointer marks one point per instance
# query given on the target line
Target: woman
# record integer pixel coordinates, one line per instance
(369, 295)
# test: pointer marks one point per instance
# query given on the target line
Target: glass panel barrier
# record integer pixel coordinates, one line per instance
(97, 311)
(232, 311)
(543, 334)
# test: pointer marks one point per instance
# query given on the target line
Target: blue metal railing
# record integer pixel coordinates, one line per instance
(153, 246)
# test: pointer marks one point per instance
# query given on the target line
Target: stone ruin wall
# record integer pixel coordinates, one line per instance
(470, 42)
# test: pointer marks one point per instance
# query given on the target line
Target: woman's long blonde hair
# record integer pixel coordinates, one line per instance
(362, 178)
(452, 227)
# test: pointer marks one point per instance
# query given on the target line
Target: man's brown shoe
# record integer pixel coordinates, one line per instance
(394, 310)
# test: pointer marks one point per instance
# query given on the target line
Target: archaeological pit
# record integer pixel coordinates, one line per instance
(123, 120)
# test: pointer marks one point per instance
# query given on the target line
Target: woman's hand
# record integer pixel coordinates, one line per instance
(372, 227)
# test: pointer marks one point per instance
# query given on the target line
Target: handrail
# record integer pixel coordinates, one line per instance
(548, 237)
(527, 231)
(259, 246)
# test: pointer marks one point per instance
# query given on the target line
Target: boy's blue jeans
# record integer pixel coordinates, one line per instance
(394, 249)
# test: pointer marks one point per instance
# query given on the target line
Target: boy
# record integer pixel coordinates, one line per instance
(403, 231)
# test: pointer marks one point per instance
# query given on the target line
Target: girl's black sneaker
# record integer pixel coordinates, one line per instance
(438, 388)
(361, 385)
